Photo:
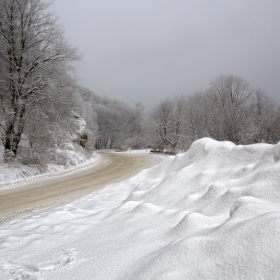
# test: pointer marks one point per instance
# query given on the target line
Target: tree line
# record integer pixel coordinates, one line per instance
(229, 110)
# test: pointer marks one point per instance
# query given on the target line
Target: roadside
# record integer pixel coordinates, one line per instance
(42, 193)
(13, 175)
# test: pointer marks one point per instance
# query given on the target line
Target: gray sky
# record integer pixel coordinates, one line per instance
(146, 50)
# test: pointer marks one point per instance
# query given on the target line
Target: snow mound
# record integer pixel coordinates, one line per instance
(210, 213)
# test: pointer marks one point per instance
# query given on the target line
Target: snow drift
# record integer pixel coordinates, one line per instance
(210, 213)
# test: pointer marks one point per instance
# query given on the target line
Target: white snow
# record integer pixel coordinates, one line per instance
(13, 175)
(210, 213)
(65, 156)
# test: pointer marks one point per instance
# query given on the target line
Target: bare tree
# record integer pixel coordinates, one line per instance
(263, 105)
(163, 125)
(231, 96)
(265, 119)
(35, 65)
(195, 118)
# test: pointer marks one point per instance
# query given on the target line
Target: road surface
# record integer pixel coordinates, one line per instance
(43, 193)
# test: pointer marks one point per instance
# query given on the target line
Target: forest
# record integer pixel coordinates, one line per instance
(43, 109)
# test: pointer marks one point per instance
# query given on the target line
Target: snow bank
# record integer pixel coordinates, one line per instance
(210, 213)
(12, 175)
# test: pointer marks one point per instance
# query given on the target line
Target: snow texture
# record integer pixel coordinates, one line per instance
(210, 213)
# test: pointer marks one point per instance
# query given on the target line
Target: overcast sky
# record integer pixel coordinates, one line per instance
(147, 50)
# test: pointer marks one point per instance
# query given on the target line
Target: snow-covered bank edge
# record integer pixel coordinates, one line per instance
(53, 170)
(56, 170)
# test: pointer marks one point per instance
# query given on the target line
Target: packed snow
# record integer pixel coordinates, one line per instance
(210, 213)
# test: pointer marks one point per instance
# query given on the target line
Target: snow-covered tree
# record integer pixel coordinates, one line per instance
(163, 125)
(35, 67)
(227, 110)
(116, 125)
(231, 96)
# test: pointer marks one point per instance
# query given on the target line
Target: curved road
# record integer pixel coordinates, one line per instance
(42, 193)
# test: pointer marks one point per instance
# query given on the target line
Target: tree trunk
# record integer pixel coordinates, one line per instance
(14, 132)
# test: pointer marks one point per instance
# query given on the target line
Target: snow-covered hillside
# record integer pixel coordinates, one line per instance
(66, 153)
(210, 213)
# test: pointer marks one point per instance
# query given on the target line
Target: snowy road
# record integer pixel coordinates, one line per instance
(47, 192)
(210, 213)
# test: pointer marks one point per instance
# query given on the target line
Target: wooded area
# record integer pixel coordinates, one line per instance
(229, 110)
(42, 108)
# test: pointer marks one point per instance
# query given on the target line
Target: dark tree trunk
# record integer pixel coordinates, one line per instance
(14, 132)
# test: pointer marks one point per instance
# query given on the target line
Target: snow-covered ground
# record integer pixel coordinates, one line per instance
(66, 156)
(210, 213)
(13, 174)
